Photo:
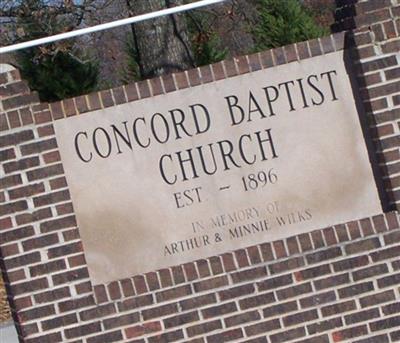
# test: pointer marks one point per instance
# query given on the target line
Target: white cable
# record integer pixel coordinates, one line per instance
(106, 26)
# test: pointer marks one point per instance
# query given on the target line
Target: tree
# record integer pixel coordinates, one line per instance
(162, 45)
(284, 22)
(56, 70)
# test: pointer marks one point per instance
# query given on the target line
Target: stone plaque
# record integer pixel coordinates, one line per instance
(210, 169)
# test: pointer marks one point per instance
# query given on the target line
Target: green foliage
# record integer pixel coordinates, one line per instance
(206, 45)
(57, 76)
(284, 22)
(131, 71)
(56, 71)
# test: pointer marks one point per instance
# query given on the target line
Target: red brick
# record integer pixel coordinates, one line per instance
(47, 268)
(64, 209)
(37, 312)
(287, 335)
(230, 68)
(76, 261)
(7, 154)
(81, 104)
(330, 237)
(26, 191)
(312, 273)
(68, 249)
(190, 271)
(387, 281)
(318, 299)
(131, 92)
(181, 80)
(13, 119)
(139, 330)
(195, 302)
(144, 89)
(16, 138)
(38, 147)
(216, 265)
(94, 101)
(385, 254)
(305, 242)
(16, 234)
(57, 110)
(82, 330)
(293, 246)
(100, 294)
(323, 326)
(3, 122)
(167, 337)
(236, 292)
(249, 274)
(13, 207)
(213, 283)
(108, 337)
(165, 277)
(20, 101)
(29, 286)
(303, 50)
(38, 215)
(51, 198)
(355, 289)
(276, 282)
(218, 70)
(106, 98)
(203, 268)
(77, 303)
(42, 117)
(204, 328)
(337, 308)
(169, 83)
(206, 74)
(70, 276)
(140, 284)
(279, 56)
(45, 131)
(173, 293)
(377, 298)
(366, 227)
(124, 320)
(152, 281)
(286, 265)
(48, 338)
(257, 300)
(119, 95)
(40, 242)
(353, 332)
(21, 164)
(300, 317)
(362, 316)
(159, 311)
(240, 319)
(58, 224)
(279, 248)
(178, 275)
(363, 245)
(51, 157)
(181, 319)
(226, 336)
(254, 62)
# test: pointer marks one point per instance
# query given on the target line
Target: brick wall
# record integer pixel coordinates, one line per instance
(374, 28)
(335, 284)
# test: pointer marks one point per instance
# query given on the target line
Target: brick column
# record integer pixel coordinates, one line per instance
(374, 29)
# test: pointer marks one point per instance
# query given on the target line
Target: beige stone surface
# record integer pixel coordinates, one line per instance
(317, 172)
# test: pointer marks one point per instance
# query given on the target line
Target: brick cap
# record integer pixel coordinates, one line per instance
(6, 68)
